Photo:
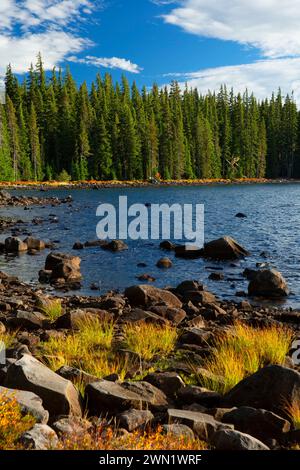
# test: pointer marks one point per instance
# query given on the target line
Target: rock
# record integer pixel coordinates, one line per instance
(58, 394)
(5, 196)
(74, 318)
(146, 277)
(76, 375)
(15, 245)
(144, 295)
(28, 402)
(224, 248)
(269, 389)
(35, 244)
(2, 328)
(54, 259)
(197, 336)
(115, 246)
(164, 263)
(250, 274)
(72, 425)
(78, 246)
(108, 397)
(261, 424)
(168, 382)
(228, 439)
(174, 315)
(65, 270)
(268, 283)
(202, 424)
(188, 251)
(199, 297)
(137, 315)
(95, 243)
(241, 215)
(178, 430)
(199, 395)
(167, 245)
(27, 320)
(40, 437)
(216, 277)
(187, 286)
(134, 419)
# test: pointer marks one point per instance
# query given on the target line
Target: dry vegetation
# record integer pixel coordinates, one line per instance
(12, 423)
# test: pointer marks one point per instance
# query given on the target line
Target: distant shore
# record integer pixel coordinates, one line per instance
(45, 185)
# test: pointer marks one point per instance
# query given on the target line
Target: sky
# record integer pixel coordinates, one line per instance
(252, 44)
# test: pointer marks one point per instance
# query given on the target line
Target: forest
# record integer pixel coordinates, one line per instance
(51, 128)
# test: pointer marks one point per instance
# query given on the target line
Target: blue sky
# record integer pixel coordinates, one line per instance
(242, 43)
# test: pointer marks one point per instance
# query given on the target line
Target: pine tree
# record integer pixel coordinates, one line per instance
(35, 149)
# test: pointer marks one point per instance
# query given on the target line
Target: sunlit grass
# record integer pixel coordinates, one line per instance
(243, 351)
(8, 339)
(51, 308)
(12, 423)
(147, 340)
(89, 349)
(293, 411)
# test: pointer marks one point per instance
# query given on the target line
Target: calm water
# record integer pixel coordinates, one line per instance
(272, 225)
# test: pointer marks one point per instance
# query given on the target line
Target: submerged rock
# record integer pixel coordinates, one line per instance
(225, 248)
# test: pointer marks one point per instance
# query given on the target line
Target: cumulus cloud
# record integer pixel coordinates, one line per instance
(272, 26)
(47, 26)
(108, 62)
(262, 78)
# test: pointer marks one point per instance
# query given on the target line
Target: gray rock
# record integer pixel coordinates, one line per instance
(168, 382)
(35, 244)
(145, 295)
(134, 419)
(178, 430)
(27, 320)
(71, 425)
(194, 394)
(58, 394)
(15, 245)
(40, 437)
(268, 283)
(228, 439)
(28, 402)
(261, 424)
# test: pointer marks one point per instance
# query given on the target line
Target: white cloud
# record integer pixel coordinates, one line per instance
(262, 78)
(108, 62)
(269, 25)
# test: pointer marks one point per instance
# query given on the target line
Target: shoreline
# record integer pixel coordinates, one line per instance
(48, 185)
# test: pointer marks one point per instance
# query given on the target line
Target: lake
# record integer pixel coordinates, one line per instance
(272, 225)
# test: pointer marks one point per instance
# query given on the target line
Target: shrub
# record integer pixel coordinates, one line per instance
(148, 340)
(63, 177)
(12, 423)
(243, 351)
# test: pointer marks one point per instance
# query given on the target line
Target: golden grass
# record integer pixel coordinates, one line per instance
(243, 351)
(293, 411)
(106, 439)
(148, 340)
(8, 338)
(12, 423)
(52, 308)
(88, 349)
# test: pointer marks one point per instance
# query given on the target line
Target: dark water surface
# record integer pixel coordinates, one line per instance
(272, 225)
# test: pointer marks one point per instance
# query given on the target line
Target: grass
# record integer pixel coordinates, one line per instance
(147, 340)
(51, 308)
(243, 351)
(89, 349)
(12, 423)
(106, 439)
(8, 338)
(293, 411)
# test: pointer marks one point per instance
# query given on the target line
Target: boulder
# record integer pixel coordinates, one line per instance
(78, 246)
(167, 245)
(188, 251)
(27, 320)
(144, 295)
(268, 283)
(270, 389)
(241, 215)
(134, 419)
(73, 319)
(202, 424)
(28, 402)
(95, 243)
(224, 248)
(216, 277)
(59, 395)
(164, 263)
(178, 430)
(108, 397)
(54, 259)
(15, 245)
(40, 437)
(76, 375)
(168, 382)
(201, 337)
(137, 315)
(187, 286)
(115, 246)
(35, 244)
(228, 439)
(262, 424)
(193, 394)
(174, 315)
(71, 425)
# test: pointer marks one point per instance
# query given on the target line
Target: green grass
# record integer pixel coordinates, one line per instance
(89, 349)
(148, 340)
(51, 308)
(243, 351)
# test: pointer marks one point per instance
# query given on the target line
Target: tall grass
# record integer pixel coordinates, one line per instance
(88, 349)
(51, 308)
(147, 340)
(243, 351)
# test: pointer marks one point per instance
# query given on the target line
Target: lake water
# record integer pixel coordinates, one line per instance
(272, 225)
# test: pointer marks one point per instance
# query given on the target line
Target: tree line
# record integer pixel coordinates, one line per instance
(52, 129)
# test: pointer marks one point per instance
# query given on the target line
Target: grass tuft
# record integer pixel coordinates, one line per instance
(242, 352)
(52, 308)
(147, 340)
